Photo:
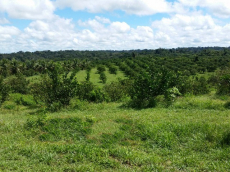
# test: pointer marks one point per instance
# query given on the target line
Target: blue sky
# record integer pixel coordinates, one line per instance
(112, 25)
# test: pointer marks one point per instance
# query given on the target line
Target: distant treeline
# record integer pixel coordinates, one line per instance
(94, 55)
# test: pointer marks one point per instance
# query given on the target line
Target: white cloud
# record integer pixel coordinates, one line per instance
(119, 27)
(50, 34)
(102, 20)
(142, 34)
(4, 21)
(186, 31)
(138, 7)
(7, 32)
(219, 8)
(27, 9)
(94, 24)
(102, 34)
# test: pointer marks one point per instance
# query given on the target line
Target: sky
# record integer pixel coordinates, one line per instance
(37, 25)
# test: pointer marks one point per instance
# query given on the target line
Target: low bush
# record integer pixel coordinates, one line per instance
(199, 86)
(103, 77)
(4, 91)
(116, 91)
(55, 89)
(223, 82)
(18, 84)
(25, 100)
(89, 92)
(149, 85)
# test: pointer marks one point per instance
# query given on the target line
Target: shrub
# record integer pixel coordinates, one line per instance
(149, 85)
(103, 77)
(25, 100)
(18, 84)
(55, 90)
(112, 69)
(89, 92)
(117, 90)
(101, 68)
(171, 95)
(199, 86)
(87, 76)
(223, 81)
(4, 91)
(195, 86)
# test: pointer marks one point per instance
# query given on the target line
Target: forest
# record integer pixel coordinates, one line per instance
(134, 110)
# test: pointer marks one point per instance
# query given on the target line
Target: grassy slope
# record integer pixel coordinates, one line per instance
(189, 136)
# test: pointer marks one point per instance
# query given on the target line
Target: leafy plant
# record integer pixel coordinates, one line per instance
(101, 68)
(103, 77)
(89, 92)
(149, 85)
(117, 90)
(223, 82)
(18, 84)
(55, 90)
(4, 91)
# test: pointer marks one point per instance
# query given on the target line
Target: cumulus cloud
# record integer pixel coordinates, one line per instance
(119, 27)
(7, 32)
(219, 8)
(179, 30)
(138, 7)
(51, 34)
(187, 30)
(27, 9)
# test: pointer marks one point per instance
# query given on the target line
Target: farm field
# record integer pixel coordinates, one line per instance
(150, 110)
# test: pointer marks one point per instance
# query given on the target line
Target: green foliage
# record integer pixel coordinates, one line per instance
(89, 92)
(112, 68)
(10, 106)
(100, 69)
(55, 90)
(21, 99)
(88, 76)
(116, 91)
(223, 83)
(198, 86)
(171, 95)
(103, 77)
(4, 91)
(148, 86)
(18, 84)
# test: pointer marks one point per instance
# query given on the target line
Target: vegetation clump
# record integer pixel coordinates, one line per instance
(55, 90)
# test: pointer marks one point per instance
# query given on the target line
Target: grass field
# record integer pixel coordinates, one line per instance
(191, 135)
(94, 77)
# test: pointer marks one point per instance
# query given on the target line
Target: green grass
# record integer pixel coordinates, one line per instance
(191, 135)
(94, 77)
